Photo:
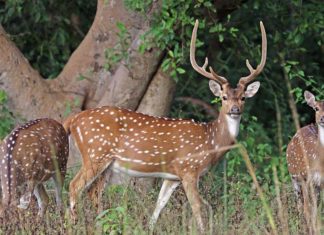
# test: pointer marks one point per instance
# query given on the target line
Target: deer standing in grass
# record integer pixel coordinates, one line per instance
(31, 154)
(305, 156)
(179, 151)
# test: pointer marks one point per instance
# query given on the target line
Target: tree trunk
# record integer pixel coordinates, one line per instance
(135, 82)
(84, 82)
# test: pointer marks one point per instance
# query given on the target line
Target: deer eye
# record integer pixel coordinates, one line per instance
(243, 98)
(316, 109)
(224, 97)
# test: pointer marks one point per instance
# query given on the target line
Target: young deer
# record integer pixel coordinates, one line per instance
(31, 154)
(179, 151)
(305, 152)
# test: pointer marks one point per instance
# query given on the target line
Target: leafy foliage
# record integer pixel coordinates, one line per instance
(47, 31)
(6, 119)
(112, 220)
(120, 50)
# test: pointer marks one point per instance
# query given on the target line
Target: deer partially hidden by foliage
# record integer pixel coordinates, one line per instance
(305, 156)
(179, 151)
(30, 155)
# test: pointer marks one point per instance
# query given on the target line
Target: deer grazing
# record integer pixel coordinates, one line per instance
(305, 154)
(30, 155)
(179, 151)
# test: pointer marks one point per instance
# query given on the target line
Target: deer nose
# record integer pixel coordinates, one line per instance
(235, 109)
(322, 119)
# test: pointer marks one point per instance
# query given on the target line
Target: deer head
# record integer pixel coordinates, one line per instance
(233, 99)
(318, 106)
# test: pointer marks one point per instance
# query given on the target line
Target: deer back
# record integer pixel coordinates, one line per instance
(143, 143)
(303, 150)
(32, 152)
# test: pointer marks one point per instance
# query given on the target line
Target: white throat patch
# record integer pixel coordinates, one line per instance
(233, 125)
(321, 134)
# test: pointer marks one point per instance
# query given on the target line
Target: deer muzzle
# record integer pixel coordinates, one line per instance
(321, 121)
(235, 112)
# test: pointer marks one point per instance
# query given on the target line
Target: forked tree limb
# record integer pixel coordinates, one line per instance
(52, 98)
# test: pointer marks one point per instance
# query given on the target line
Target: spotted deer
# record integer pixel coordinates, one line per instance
(113, 139)
(30, 155)
(305, 152)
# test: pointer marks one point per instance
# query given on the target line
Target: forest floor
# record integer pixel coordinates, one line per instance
(127, 211)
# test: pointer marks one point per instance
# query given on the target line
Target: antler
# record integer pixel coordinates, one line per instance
(202, 70)
(255, 72)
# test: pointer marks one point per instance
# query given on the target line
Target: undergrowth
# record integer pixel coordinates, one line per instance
(127, 211)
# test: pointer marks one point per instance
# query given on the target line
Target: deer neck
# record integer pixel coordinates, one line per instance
(233, 125)
(224, 130)
(321, 138)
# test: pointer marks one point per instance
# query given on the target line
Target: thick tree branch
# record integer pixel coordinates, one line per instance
(26, 90)
(25, 86)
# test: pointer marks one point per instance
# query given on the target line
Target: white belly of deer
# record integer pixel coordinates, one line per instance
(119, 169)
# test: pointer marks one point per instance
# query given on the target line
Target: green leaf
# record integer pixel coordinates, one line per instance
(181, 70)
(171, 54)
(221, 37)
(81, 77)
(3, 96)
(301, 73)
(292, 62)
(121, 26)
(287, 68)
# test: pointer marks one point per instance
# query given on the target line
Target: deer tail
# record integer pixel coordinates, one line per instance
(67, 123)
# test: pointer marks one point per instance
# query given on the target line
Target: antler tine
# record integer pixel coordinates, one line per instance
(219, 79)
(202, 70)
(249, 66)
(205, 64)
(255, 72)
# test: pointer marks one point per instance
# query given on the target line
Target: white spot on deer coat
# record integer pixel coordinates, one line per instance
(79, 133)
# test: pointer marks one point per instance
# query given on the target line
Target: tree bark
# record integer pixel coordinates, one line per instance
(136, 82)
(84, 82)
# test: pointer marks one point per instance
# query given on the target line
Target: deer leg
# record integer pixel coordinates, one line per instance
(299, 194)
(96, 190)
(58, 179)
(42, 199)
(314, 194)
(307, 204)
(24, 201)
(167, 189)
(190, 186)
(85, 177)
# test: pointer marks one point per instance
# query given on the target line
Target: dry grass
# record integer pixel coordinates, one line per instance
(234, 212)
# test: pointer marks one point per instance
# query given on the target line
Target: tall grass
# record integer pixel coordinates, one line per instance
(128, 211)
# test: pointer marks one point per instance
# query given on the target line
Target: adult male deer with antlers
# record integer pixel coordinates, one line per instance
(31, 154)
(179, 151)
(305, 155)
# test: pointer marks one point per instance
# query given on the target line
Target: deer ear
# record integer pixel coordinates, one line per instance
(215, 88)
(252, 89)
(310, 99)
